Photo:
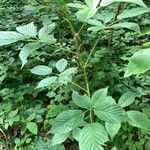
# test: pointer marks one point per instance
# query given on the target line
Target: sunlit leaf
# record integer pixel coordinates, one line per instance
(41, 70)
(139, 120)
(47, 82)
(27, 50)
(8, 37)
(28, 30)
(139, 63)
(92, 137)
(67, 121)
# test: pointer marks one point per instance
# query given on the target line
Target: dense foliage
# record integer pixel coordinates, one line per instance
(74, 75)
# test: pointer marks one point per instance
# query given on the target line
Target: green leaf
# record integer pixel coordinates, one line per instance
(81, 101)
(76, 5)
(12, 114)
(44, 34)
(76, 133)
(105, 16)
(27, 50)
(138, 119)
(139, 63)
(41, 70)
(112, 128)
(40, 144)
(61, 64)
(66, 76)
(46, 30)
(92, 137)
(110, 113)
(85, 11)
(137, 2)
(47, 82)
(107, 2)
(92, 3)
(145, 31)
(86, 14)
(8, 37)
(28, 30)
(114, 148)
(146, 45)
(95, 29)
(95, 23)
(133, 12)
(17, 141)
(99, 96)
(129, 25)
(67, 121)
(49, 39)
(59, 138)
(31, 117)
(32, 127)
(126, 99)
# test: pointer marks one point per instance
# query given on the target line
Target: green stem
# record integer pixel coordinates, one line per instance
(92, 50)
(79, 86)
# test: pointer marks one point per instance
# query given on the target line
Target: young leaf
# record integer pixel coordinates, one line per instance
(126, 99)
(61, 64)
(59, 138)
(105, 17)
(138, 63)
(138, 119)
(129, 25)
(112, 128)
(27, 50)
(28, 30)
(107, 2)
(32, 127)
(86, 11)
(8, 37)
(86, 14)
(41, 70)
(67, 121)
(133, 12)
(81, 101)
(46, 30)
(92, 137)
(66, 76)
(110, 113)
(47, 82)
(76, 5)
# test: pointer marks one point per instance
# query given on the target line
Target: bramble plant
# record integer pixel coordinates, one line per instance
(91, 116)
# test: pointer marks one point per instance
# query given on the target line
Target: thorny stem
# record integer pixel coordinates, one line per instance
(92, 50)
(78, 45)
(120, 7)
